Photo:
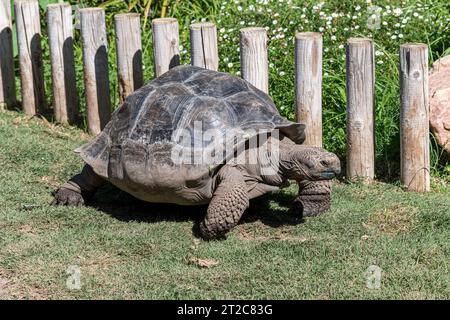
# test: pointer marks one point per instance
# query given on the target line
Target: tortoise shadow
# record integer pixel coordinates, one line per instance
(124, 207)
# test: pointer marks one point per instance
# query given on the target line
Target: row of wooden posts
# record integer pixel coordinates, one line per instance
(204, 53)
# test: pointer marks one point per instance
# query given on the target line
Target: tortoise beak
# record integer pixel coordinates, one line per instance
(330, 174)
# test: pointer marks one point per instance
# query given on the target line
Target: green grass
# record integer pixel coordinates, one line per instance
(129, 249)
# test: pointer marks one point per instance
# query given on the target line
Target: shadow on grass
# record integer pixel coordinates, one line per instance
(124, 207)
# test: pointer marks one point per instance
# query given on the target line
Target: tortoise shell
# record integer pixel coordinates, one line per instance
(153, 120)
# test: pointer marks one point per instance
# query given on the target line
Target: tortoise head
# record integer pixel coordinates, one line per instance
(302, 162)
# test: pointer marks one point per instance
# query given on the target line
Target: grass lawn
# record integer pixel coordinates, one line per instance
(125, 248)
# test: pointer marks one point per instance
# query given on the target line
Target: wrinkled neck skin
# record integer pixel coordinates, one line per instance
(282, 167)
(287, 160)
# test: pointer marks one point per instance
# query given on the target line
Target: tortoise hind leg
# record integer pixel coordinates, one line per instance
(229, 202)
(79, 189)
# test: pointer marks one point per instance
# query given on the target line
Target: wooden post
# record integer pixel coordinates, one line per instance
(204, 51)
(7, 80)
(166, 52)
(254, 65)
(30, 55)
(129, 53)
(414, 117)
(60, 35)
(95, 60)
(308, 85)
(360, 109)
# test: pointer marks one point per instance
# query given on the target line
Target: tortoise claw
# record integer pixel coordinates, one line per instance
(67, 197)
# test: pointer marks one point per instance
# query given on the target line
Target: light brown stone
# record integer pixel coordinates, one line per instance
(439, 85)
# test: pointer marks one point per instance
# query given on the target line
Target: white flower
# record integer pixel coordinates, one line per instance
(238, 73)
(274, 22)
(282, 73)
(400, 35)
(415, 14)
(356, 27)
(226, 59)
(321, 29)
(393, 37)
(380, 61)
(354, 17)
(333, 38)
(271, 65)
(326, 50)
(397, 11)
(239, 8)
(242, 23)
(385, 23)
(397, 25)
(357, 8)
(341, 46)
(230, 65)
(378, 53)
(222, 30)
(404, 21)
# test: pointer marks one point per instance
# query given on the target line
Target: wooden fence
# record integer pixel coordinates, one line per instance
(204, 53)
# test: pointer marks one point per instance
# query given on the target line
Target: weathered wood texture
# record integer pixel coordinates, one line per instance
(254, 64)
(95, 60)
(166, 51)
(360, 109)
(129, 53)
(204, 51)
(30, 56)
(60, 35)
(414, 117)
(7, 81)
(308, 85)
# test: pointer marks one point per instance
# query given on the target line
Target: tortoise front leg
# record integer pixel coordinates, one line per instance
(229, 202)
(79, 189)
(314, 198)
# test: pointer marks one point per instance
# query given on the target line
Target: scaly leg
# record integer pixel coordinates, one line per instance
(79, 189)
(229, 202)
(314, 198)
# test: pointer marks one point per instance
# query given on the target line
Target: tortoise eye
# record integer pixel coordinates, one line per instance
(324, 163)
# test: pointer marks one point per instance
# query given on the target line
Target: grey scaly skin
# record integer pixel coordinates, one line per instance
(235, 185)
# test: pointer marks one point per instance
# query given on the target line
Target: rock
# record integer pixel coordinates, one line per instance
(439, 86)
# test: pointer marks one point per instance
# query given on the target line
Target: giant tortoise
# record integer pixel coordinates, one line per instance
(195, 136)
